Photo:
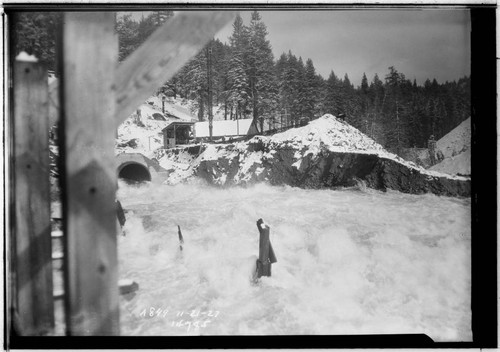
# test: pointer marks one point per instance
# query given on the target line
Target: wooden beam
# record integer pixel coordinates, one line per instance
(89, 59)
(162, 55)
(158, 60)
(32, 237)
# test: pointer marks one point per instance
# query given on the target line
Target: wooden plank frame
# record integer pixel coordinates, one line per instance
(89, 50)
(31, 241)
(93, 97)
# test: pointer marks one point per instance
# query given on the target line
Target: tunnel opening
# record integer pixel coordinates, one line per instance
(134, 173)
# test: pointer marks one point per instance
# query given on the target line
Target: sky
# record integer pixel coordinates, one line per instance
(421, 44)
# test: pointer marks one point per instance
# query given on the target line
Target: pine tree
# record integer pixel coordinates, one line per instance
(146, 27)
(364, 85)
(332, 92)
(299, 106)
(239, 87)
(319, 109)
(287, 71)
(395, 122)
(127, 30)
(261, 78)
(377, 99)
(310, 89)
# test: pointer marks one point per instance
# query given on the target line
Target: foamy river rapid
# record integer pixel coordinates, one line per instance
(350, 261)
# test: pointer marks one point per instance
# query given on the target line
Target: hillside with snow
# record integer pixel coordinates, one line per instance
(455, 150)
(325, 153)
(142, 133)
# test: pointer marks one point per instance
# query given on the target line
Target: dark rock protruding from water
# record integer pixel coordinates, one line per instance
(329, 170)
(325, 153)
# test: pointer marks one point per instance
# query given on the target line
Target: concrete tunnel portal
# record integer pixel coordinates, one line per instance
(137, 168)
(134, 173)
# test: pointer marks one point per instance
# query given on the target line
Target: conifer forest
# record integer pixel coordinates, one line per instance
(243, 79)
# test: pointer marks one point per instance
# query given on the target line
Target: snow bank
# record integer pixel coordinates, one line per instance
(455, 148)
(459, 164)
(329, 132)
(456, 141)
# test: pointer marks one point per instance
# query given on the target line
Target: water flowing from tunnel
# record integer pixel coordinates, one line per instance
(350, 261)
(134, 173)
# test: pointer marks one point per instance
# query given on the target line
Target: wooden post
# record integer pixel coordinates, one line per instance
(32, 262)
(266, 252)
(89, 60)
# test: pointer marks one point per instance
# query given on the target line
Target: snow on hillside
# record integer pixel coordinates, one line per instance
(329, 132)
(140, 137)
(176, 107)
(456, 165)
(455, 147)
(456, 141)
(183, 108)
(325, 132)
(143, 134)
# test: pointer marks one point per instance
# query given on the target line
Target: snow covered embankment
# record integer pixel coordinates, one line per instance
(455, 149)
(325, 153)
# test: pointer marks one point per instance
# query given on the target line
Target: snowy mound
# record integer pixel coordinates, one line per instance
(331, 133)
(336, 136)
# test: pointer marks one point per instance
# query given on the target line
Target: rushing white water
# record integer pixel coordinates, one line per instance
(349, 262)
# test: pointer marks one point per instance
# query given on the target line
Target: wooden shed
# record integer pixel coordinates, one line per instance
(178, 132)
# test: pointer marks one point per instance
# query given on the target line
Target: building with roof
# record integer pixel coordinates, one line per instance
(176, 133)
(225, 128)
(183, 132)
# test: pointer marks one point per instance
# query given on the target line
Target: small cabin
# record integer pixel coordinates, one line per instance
(178, 132)
(183, 132)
